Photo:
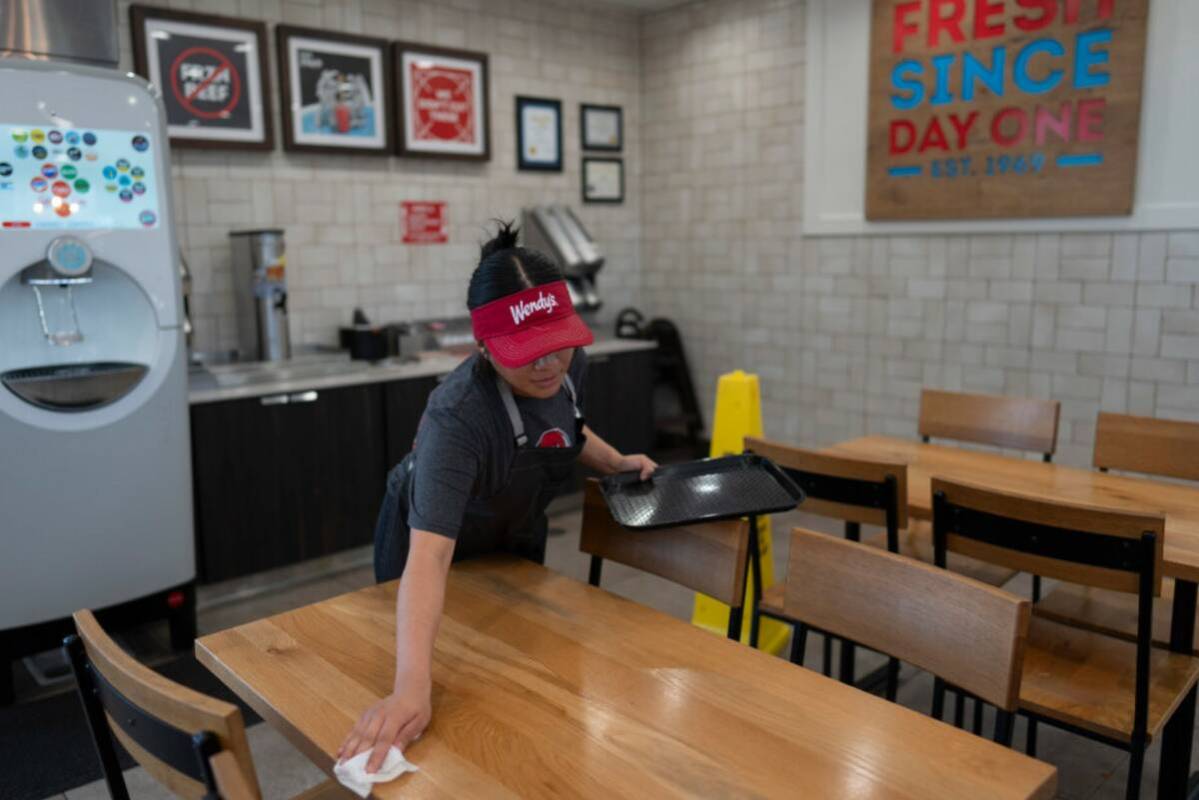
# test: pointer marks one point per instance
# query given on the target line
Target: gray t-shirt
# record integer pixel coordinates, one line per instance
(465, 443)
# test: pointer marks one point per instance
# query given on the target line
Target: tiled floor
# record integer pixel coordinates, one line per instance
(1087, 770)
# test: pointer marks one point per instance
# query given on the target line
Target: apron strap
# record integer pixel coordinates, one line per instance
(518, 424)
(574, 398)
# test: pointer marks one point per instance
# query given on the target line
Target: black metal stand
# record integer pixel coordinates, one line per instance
(1175, 779)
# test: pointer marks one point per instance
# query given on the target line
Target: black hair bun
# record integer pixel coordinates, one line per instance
(504, 239)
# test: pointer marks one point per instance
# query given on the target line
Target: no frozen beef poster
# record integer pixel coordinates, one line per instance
(1003, 108)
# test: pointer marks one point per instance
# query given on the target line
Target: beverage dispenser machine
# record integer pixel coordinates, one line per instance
(95, 476)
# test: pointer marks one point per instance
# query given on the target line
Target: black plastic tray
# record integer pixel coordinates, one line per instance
(700, 491)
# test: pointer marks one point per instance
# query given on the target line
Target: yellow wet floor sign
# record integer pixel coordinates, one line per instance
(739, 414)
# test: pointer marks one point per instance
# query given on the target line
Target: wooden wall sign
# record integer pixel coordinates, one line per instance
(1003, 108)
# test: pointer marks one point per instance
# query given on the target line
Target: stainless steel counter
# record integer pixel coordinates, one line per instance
(239, 381)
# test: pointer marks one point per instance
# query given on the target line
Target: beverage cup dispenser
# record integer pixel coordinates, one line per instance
(260, 287)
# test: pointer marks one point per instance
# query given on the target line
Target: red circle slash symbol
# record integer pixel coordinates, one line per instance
(190, 99)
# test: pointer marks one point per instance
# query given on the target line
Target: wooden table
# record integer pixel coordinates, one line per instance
(547, 687)
(1179, 503)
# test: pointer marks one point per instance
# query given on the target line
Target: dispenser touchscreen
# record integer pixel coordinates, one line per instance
(76, 179)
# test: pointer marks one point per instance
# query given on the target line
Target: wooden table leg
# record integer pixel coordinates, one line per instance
(1176, 742)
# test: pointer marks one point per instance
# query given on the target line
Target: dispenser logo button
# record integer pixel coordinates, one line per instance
(74, 153)
(109, 173)
(147, 218)
(141, 144)
(139, 188)
(72, 137)
(39, 152)
(69, 171)
(138, 173)
(20, 151)
(19, 135)
(122, 165)
(89, 138)
(5, 169)
(55, 137)
(49, 171)
(37, 136)
(38, 184)
(60, 189)
(82, 186)
(125, 195)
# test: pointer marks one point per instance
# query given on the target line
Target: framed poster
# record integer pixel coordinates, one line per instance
(601, 127)
(336, 91)
(538, 134)
(603, 180)
(441, 102)
(1003, 110)
(212, 74)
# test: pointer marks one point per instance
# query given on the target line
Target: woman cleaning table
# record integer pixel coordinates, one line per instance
(498, 439)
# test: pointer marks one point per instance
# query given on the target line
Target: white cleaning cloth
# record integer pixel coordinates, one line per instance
(352, 774)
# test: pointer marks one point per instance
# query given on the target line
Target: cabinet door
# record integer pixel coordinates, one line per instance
(284, 478)
(404, 402)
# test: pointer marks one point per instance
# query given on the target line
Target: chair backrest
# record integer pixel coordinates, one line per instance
(171, 730)
(963, 631)
(230, 780)
(1101, 547)
(1021, 423)
(708, 557)
(852, 489)
(1143, 444)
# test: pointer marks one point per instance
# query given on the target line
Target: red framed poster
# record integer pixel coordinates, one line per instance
(424, 222)
(441, 107)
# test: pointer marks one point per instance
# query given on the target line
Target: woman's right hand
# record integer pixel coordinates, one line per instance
(397, 719)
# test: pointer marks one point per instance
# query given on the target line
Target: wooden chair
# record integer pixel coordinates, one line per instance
(856, 491)
(964, 632)
(193, 744)
(1019, 423)
(1106, 689)
(1169, 448)
(709, 558)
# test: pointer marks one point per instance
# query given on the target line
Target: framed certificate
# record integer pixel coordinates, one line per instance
(212, 74)
(538, 134)
(336, 91)
(441, 103)
(603, 180)
(602, 127)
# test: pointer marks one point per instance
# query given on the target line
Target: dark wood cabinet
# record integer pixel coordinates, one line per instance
(289, 477)
(286, 477)
(618, 400)
(404, 402)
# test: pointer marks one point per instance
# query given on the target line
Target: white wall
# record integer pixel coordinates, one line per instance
(845, 331)
(341, 213)
(836, 81)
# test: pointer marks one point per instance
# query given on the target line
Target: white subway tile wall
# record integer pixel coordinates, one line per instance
(844, 332)
(341, 214)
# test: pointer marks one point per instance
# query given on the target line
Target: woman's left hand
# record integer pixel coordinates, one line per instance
(637, 463)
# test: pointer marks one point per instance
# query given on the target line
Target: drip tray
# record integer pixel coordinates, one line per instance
(74, 387)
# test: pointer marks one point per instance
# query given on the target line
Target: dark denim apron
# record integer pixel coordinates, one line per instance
(512, 520)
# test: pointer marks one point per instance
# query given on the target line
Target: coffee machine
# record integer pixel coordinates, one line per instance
(95, 467)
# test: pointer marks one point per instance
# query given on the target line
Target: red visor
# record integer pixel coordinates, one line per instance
(523, 327)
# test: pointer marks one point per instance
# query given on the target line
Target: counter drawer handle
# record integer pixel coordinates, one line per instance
(273, 400)
(310, 396)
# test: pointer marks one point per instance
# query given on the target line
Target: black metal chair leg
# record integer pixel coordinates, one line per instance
(848, 651)
(959, 709)
(1005, 722)
(938, 699)
(827, 666)
(1036, 588)
(1136, 767)
(597, 566)
(892, 679)
(735, 615)
(1030, 741)
(978, 717)
(799, 643)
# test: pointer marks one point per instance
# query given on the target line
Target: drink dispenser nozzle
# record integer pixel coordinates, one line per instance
(68, 263)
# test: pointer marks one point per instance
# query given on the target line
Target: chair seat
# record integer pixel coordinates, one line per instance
(917, 542)
(1112, 613)
(1087, 679)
